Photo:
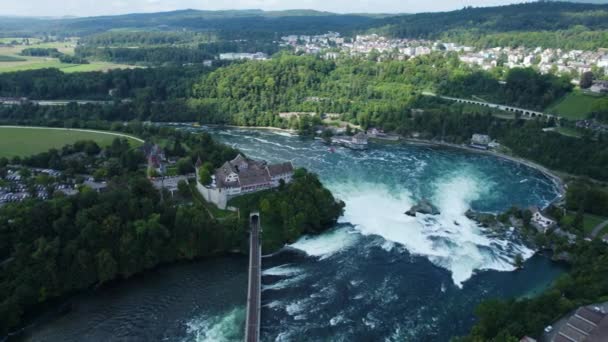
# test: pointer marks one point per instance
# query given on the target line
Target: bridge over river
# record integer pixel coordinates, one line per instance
(524, 112)
(252, 324)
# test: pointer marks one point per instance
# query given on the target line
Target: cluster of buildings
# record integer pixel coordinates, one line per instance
(242, 176)
(15, 187)
(546, 60)
(157, 160)
(236, 56)
(313, 44)
(362, 45)
(358, 141)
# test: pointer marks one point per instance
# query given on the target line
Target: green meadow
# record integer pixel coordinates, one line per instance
(18, 141)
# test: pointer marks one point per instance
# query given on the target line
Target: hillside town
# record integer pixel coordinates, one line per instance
(332, 45)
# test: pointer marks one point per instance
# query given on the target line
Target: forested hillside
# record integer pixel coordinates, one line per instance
(236, 24)
(153, 84)
(367, 92)
(547, 24)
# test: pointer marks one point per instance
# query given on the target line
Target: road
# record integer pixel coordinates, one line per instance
(252, 329)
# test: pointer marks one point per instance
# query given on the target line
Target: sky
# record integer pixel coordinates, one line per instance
(109, 7)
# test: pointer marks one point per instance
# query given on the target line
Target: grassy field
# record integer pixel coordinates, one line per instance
(589, 222)
(569, 132)
(4, 58)
(17, 141)
(19, 40)
(574, 106)
(11, 61)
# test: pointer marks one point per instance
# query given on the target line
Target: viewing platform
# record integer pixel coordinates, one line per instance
(252, 325)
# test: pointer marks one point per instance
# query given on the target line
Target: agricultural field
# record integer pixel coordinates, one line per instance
(25, 141)
(10, 40)
(575, 106)
(11, 61)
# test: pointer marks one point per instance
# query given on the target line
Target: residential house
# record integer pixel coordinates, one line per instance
(599, 87)
(480, 141)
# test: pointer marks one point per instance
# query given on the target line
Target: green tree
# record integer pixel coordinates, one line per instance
(204, 176)
(184, 166)
(106, 266)
(183, 189)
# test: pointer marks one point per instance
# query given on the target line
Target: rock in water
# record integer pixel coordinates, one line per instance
(423, 207)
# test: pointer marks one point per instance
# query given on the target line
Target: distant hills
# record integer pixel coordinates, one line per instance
(232, 21)
(469, 23)
(539, 16)
(590, 1)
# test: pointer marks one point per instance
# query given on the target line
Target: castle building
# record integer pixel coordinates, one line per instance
(241, 176)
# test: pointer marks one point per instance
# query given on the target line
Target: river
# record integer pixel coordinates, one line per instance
(377, 275)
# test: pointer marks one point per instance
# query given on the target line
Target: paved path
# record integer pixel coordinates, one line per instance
(598, 229)
(252, 327)
(79, 130)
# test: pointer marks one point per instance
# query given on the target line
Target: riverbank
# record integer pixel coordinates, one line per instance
(263, 128)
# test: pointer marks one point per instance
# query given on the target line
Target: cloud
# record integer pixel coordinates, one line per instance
(96, 7)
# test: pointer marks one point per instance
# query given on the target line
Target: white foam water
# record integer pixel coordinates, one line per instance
(282, 270)
(285, 283)
(327, 244)
(225, 327)
(449, 240)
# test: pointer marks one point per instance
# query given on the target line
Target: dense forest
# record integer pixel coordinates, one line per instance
(146, 56)
(251, 93)
(370, 93)
(154, 84)
(147, 38)
(172, 55)
(524, 88)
